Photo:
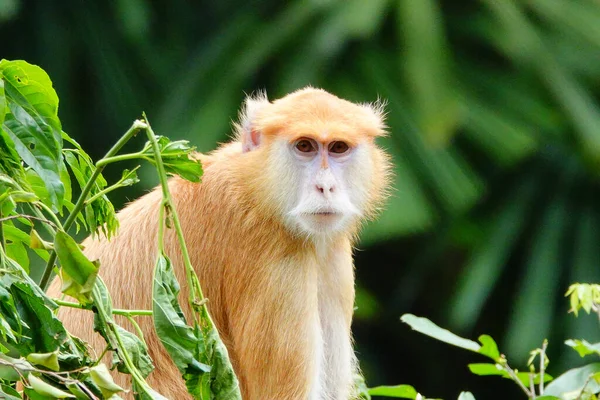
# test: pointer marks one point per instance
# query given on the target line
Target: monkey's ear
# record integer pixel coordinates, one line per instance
(247, 130)
(377, 115)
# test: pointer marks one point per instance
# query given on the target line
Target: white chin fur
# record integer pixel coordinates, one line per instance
(316, 224)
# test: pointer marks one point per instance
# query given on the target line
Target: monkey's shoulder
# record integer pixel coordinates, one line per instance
(224, 153)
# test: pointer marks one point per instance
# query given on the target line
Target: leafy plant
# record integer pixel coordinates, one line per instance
(581, 383)
(35, 193)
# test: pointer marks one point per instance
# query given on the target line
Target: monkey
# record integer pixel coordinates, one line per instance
(270, 231)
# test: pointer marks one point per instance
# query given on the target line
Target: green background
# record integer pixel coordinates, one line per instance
(494, 116)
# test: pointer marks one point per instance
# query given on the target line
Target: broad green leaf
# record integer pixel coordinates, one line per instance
(10, 162)
(8, 393)
(583, 347)
(46, 389)
(15, 234)
(41, 331)
(18, 252)
(466, 396)
(3, 103)
(398, 391)
(487, 369)
(201, 357)
(102, 378)
(223, 381)
(9, 372)
(425, 326)
(32, 123)
(182, 342)
(48, 360)
(77, 271)
(574, 380)
(35, 85)
(138, 353)
(489, 347)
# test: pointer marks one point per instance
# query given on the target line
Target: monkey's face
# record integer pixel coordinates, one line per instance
(324, 183)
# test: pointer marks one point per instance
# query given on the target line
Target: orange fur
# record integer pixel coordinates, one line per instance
(281, 301)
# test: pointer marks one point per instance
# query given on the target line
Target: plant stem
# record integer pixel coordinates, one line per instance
(193, 283)
(115, 311)
(124, 157)
(47, 221)
(103, 192)
(587, 382)
(2, 240)
(515, 378)
(135, 128)
(50, 213)
(137, 329)
(542, 365)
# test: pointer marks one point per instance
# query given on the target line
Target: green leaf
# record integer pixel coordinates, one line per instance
(200, 356)
(10, 162)
(8, 393)
(223, 381)
(398, 391)
(102, 378)
(489, 347)
(46, 389)
(48, 360)
(583, 347)
(18, 252)
(32, 123)
(37, 243)
(574, 380)
(40, 330)
(487, 369)
(138, 352)
(181, 341)
(466, 396)
(176, 157)
(129, 177)
(77, 272)
(425, 326)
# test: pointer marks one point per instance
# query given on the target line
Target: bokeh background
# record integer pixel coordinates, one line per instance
(493, 108)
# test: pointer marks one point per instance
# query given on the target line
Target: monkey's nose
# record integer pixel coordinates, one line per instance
(324, 188)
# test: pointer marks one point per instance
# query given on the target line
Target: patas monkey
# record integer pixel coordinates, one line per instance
(270, 232)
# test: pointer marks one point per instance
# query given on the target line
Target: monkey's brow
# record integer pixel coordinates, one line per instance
(325, 139)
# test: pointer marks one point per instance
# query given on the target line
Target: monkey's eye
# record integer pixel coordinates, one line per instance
(305, 146)
(338, 147)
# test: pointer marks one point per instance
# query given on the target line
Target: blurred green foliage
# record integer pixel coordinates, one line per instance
(494, 129)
